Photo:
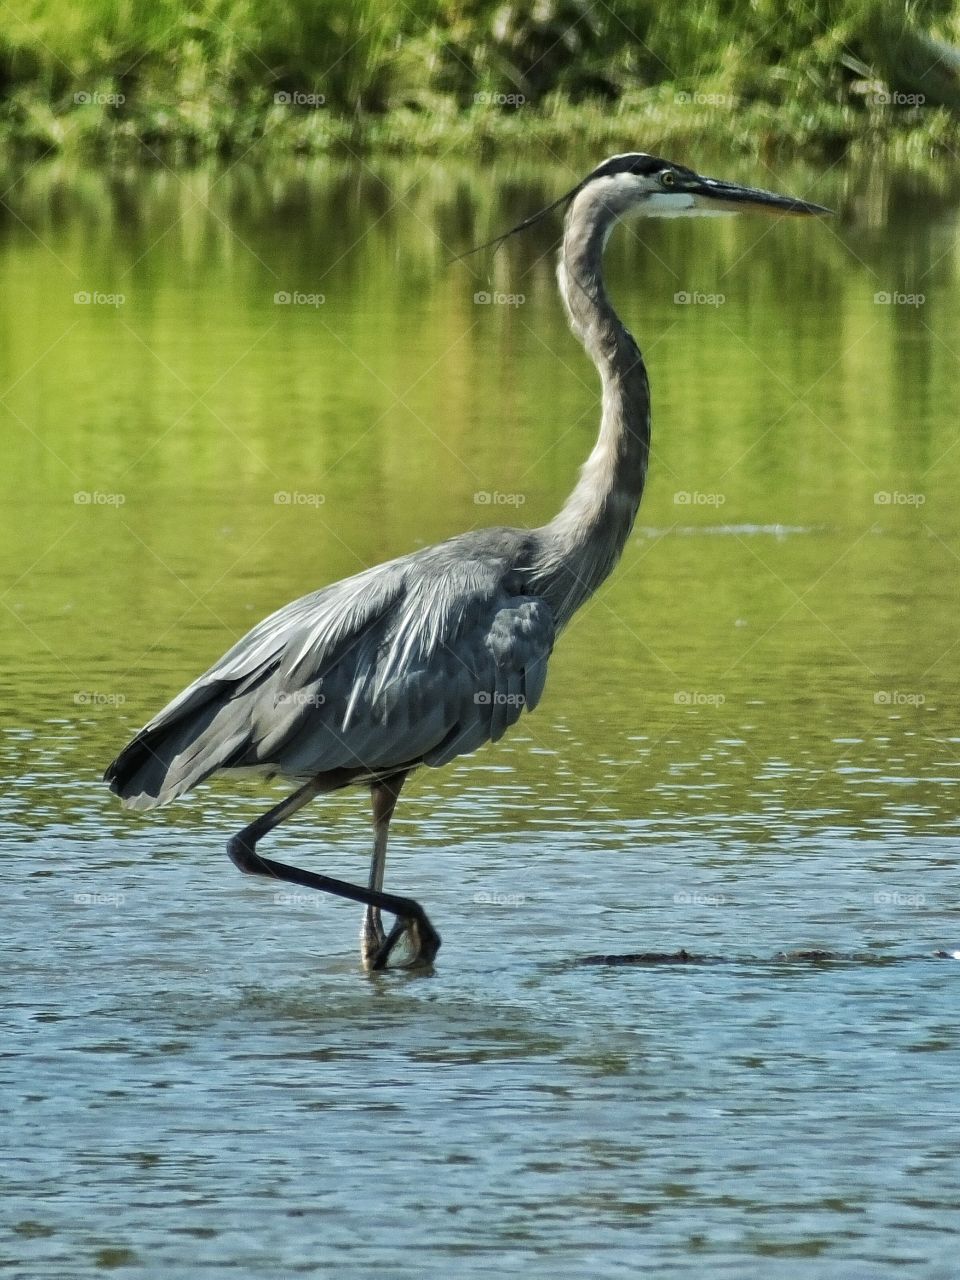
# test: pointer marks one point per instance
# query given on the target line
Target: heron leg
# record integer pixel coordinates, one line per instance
(410, 916)
(383, 796)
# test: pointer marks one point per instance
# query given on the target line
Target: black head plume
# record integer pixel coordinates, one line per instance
(631, 162)
(534, 218)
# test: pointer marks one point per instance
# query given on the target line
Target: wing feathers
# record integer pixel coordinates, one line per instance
(420, 659)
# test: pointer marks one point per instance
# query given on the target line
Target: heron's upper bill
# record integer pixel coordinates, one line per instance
(712, 194)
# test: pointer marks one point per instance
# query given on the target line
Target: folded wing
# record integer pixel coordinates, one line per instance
(415, 661)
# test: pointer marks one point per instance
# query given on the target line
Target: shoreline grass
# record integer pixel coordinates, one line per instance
(651, 121)
(837, 78)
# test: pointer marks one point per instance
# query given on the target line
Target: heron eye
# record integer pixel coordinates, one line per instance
(667, 178)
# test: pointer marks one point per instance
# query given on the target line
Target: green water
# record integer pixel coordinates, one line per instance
(748, 742)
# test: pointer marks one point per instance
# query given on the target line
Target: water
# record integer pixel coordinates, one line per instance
(748, 747)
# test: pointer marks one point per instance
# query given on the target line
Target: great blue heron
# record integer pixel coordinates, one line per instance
(426, 657)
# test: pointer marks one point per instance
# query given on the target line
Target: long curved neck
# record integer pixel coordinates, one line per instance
(584, 541)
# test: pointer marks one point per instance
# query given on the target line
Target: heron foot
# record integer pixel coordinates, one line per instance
(421, 942)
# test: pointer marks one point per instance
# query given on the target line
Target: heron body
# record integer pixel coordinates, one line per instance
(412, 662)
(426, 657)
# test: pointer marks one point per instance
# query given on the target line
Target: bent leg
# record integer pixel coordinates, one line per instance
(411, 917)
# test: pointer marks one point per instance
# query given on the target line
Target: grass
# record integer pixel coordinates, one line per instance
(313, 76)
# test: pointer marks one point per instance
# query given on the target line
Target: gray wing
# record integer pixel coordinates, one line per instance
(415, 661)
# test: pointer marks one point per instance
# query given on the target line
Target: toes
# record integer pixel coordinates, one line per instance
(401, 931)
(411, 941)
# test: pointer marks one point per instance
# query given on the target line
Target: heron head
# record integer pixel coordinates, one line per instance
(643, 185)
(637, 184)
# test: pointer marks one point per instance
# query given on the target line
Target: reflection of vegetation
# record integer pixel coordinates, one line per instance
(206, 76)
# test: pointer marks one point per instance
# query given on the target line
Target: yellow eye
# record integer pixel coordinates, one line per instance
(667, 178)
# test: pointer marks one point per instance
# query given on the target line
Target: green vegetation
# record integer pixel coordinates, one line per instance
(222, 76)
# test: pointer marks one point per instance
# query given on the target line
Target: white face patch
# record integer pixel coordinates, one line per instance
(668, 204)
(686, 204)
(637, 195)
(623, 188)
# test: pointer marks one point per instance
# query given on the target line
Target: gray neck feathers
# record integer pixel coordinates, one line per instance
(582, 544)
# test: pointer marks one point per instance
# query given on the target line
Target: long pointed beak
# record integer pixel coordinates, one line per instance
(713, 194)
